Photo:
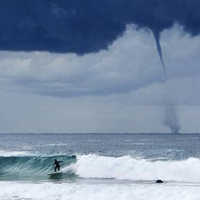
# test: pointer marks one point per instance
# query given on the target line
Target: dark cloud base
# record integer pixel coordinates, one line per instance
(83, 26)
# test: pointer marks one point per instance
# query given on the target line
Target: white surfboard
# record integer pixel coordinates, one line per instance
(55, 173)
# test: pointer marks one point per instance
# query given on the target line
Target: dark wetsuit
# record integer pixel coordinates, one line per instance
(57, 165)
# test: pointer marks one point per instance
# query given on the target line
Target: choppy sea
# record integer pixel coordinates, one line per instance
(100, 166)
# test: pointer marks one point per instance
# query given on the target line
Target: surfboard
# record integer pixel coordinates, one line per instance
(55, 173)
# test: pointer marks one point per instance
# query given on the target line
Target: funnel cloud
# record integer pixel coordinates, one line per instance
(157, 39)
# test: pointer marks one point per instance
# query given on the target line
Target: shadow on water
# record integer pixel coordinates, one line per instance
(56, 177)
(69, 177)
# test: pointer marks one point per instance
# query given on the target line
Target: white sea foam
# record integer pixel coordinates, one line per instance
(75, 191)
(4, 153)
(128, 168)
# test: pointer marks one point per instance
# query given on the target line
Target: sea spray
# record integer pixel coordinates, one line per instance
(170, 117)
(135, 169)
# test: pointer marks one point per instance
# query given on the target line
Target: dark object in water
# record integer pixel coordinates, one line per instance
(159, 181)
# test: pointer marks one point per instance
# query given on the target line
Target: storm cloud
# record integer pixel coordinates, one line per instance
(81, 27)
(104, 55)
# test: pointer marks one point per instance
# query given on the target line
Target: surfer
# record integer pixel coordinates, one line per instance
(57, 165)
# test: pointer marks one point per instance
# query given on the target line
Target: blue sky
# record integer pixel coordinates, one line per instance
(111, 82)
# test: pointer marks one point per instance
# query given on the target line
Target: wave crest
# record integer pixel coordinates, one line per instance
(128, 168)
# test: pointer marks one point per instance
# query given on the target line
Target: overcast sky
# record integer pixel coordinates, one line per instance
(120, 88)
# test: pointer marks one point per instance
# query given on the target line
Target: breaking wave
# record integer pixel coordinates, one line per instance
(128, 168)
(93, 166)
(28, 167)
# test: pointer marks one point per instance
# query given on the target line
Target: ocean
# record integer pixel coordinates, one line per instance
(100, 166)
